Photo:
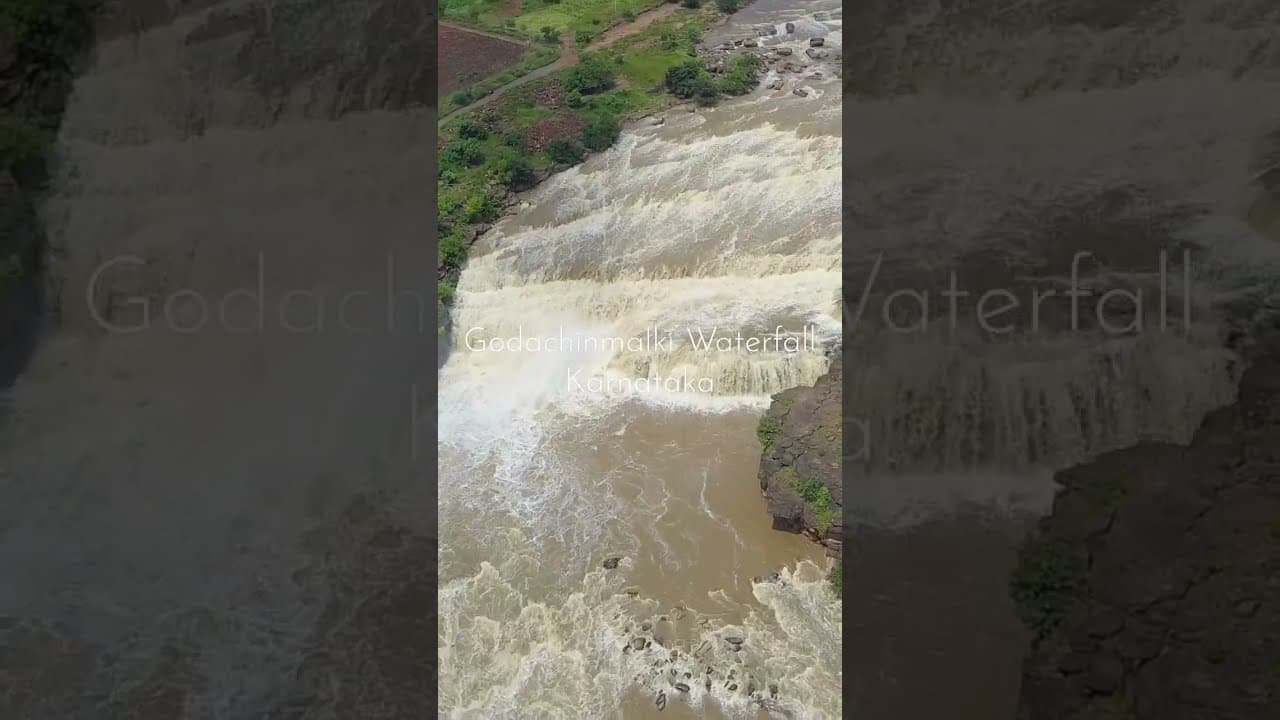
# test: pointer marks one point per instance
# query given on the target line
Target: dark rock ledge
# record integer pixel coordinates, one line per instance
(800, 464)
(1153, 587)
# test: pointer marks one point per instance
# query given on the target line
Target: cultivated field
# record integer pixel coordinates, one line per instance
(467, 57)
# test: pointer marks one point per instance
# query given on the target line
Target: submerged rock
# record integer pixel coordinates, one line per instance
(816, 42)
(612, 563)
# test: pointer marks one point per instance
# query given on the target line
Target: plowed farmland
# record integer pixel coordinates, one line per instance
(467, 56)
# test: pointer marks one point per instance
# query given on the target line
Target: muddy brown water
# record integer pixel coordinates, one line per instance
(724, 220)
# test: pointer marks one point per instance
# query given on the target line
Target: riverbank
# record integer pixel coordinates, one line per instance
(41, 44)
(552, 123)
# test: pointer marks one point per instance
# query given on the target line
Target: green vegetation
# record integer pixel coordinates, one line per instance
(537, 57)
(740, 77)
(1051, 578)
(564, 151)
(600, 132)
(768, 431)
(816, 496)
(553, 121)
(591, 76)
(727, 6)
(836, 578)
(48, 30)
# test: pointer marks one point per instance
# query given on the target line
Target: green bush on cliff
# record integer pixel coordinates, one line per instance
(1051, 577)
(727, 6)
(836, 578)
(818, 498)
(453, 250)
(767, 431)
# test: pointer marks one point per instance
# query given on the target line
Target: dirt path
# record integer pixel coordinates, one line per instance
(569, 55)
(486, 33)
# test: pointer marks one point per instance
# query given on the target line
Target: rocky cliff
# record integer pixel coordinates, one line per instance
(41, 42)
(1151, 587)
(800, 464)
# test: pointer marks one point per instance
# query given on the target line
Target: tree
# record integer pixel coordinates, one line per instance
(683, 80)
(461, 153)
(589, 77)
(516, 172)
(600, 132)
(472, 131)
(550, 34)
(727, 6)
(564, 151)
(691, 4)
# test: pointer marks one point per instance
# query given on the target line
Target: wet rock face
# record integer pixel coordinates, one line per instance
(800, 465)
(295, 58)
(1173, 610)
(1029, 49)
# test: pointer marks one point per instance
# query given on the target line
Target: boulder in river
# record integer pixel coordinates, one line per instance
(612, 563)
(783, 51)
(791, 27)
(800, 92)
(749, 42)
(816, 42)
(816, 54)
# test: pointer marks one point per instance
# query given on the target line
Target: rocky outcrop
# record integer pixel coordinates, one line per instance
(800, 465)
(1151, 587)
(39, 48)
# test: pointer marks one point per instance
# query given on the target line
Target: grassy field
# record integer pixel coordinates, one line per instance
(527, 17)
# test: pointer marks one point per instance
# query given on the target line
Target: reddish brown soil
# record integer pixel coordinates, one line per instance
(468, 57)
(561, 124)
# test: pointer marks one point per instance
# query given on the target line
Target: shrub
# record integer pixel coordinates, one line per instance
(629, 15)
(481, 207)
(516, 172)
(453, 250)
(513, 139)
(727, 6)
(445, 291)
(705, 90)
(582, 37)
(460, 97)
(741, 77)
(691, 4)
(600, 132)
(589, 77)
(550, 34)
(768, 431)
(472, 131)
(1050, 578)
(564, 151)
(836, 578)
(461, 153)
(682, 80)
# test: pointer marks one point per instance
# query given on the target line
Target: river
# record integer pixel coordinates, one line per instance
(553, 460)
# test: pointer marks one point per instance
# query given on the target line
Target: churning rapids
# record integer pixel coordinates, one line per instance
(724, 220)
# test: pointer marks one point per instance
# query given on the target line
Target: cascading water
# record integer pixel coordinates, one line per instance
(614, 344)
